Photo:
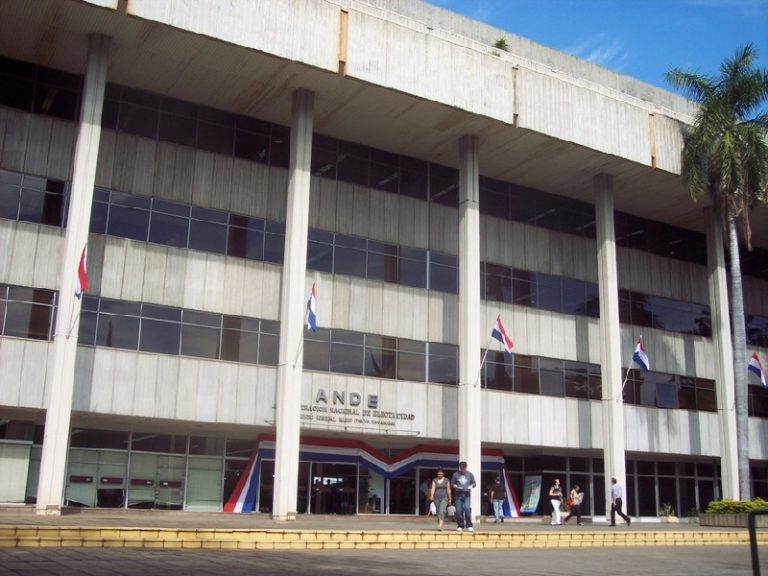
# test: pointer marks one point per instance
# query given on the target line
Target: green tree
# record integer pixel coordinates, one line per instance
(725, 156)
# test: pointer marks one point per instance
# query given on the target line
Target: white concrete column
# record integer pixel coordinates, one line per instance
(610, 338)
(469, 408)
(60, 380)
(293, 298)
(723, 356)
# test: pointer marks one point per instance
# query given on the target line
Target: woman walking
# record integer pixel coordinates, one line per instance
(441, 496)
(555, 497)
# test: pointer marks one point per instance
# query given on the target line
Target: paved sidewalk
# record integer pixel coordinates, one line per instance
(683, 561)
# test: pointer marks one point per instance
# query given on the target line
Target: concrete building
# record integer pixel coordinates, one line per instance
(219, 159)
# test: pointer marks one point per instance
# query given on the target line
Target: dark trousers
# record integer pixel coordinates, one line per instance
(463, 503)
(575, 511)
(616, 508)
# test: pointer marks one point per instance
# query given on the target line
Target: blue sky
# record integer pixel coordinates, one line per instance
(639, 38)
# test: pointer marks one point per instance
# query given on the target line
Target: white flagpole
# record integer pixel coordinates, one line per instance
(482, 362)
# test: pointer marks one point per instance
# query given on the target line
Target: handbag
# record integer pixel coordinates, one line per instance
(432, 509)
(569, 502)
(451, 511)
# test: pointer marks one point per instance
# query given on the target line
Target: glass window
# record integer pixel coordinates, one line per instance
(57, 101)
(526, 374)
(498, 283)
(238, 345)
(346, 358)
(26, 320)
(443, 363)
(168, 230)
(89, 438)
(131, 223)
(413, 178)
(178, 129)
(443, 271)
(9, 201)
(385, 176)
(215, 138)
(41, 207)
(574, 296)
(207, 235)
(118, 331)
(17, 92)
(253, 147)
(413, 267)
(246, 237)
(353, 169)
(274, 242)
(317, 350)
(138, 120)
(269, 349)
(576, 380)
(200, 341)
(443, 185)
(551, 377)
(380, 363)
(549, 292)
(499, 374)
(159, 336)
(349, 261)
(523, 287)
(382, 262)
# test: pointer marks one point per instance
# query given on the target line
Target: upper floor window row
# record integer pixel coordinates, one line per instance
(46, 91)
(40, 90)
(362, 354)
(176, 331)
(30, 198)
(570, 296)
(566, 378)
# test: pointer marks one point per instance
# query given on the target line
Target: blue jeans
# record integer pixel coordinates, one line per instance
(463, 502)
(498, 509)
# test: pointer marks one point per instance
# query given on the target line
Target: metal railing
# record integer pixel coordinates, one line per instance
(753, 538)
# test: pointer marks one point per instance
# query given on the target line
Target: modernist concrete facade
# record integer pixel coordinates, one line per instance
(220, 159)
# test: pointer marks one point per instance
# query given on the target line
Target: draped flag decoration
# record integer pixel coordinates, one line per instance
(498, 333)
(81, 283)
(757, 368)
(312, 310)
(345, 451)
(640, 357)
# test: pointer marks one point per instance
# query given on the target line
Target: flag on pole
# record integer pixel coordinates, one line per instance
(81, 283)
(757, 368)
(312, 310)
(498, 333)
(640, 357)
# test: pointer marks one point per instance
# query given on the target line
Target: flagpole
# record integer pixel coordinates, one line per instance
(626, 377)
(482, 362)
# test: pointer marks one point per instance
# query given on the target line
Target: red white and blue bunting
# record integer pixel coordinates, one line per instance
(344, 451)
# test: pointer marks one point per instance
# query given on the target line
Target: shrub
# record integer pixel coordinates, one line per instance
(666, 510)
(736, 506)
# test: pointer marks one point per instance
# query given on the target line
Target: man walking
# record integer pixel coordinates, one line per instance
(617, 494)
(462, 483)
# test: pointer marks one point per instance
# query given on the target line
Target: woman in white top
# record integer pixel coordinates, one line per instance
(555, 496)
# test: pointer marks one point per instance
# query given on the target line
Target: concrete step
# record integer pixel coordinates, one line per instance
(279, 539)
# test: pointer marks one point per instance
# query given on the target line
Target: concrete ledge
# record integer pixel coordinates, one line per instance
(91, 537)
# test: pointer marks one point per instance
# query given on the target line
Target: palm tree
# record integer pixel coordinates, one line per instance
(725, 155)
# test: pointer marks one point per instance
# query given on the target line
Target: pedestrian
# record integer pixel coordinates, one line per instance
(574, 501)
(425, 489)
(555, 498)
(497, 496)
(440, 494)
(462, 483)
(617, 493)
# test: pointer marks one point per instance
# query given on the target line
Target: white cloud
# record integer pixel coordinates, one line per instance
(601, 50)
